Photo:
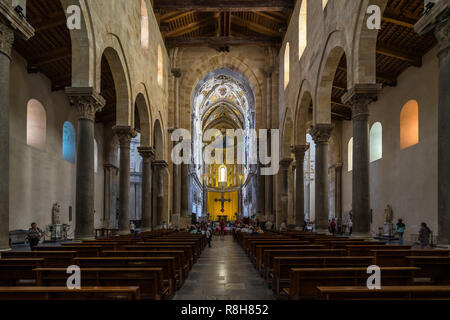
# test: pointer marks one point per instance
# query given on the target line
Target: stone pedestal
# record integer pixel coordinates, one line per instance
(299, 153)
(358, 98)
(321, 134)
(147, 154)
(125, 134)
(87, 102)
(438, 22)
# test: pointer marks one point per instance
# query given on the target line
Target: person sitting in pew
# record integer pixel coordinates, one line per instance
(34, 235)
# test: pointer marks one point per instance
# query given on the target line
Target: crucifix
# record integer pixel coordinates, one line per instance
(222, 200)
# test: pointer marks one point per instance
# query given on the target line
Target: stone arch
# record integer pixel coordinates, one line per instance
(304, 101)
(365, 45)
(158, 140)
(204, 67)
(334, 50)
(144, 118)
(83, 48)
(114, 55)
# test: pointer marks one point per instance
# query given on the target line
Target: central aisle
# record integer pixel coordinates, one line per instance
(224, 272)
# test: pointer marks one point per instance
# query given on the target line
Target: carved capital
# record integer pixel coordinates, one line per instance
(160, 164)
(299, 151)
(176, 72)
(359, 97)
(6, 39)
(147, 153)
(321, 132)
(268, 72)
(442, 33)
(86, 101)
(285, 163)
(125, 134)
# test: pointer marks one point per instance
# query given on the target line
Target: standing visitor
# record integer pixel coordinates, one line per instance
(34, 236)
(400, 229)
(350, 227)
(424, 235)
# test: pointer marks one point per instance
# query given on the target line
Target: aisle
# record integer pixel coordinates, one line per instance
(224, 272)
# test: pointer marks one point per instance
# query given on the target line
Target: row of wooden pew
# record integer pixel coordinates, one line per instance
(153, 266)
(298, 265)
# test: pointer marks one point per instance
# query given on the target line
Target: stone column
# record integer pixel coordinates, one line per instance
(358, 98)
(261, 195)
(438, 21)
(321, 134)
(87, 102)
(161, 206)
(338, 188)
(269, 186)
(284, 167)
(110, 195)
(299, 153)
(147, 154)
(185, 182)
(9, 21)
(125, 134)
(6, 42)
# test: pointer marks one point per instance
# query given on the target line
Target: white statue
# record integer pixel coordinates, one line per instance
(55, 214)
(388, 214)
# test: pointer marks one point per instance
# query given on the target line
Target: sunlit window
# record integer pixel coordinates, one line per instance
(160, 66)
(144, 25)
(302, 28)
(409, 124)
(286, 65)
(376, 142)
(223, 174)
(36, 124)
(95, 156)
(350, 155)
(324, 4)
(69, 142)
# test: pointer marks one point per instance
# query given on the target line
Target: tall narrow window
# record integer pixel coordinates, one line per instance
(376, 142)
(350, 155)
(69, 142)
(324, 4)
(95, 156)
(409, 124)
(302, 28)
(160, 66)
(36, 124)
(144, 25)
(223, 174)
(286, 66)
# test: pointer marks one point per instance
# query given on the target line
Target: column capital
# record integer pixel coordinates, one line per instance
(268, 71)
(321, 132)
(87, 101)
(286, 162)
(437, 20)
(176, 72)
(6, 39)
(299, 151)
(359, 97)
(147, 153)
(160, 164)
(14, 22)
(125, 134)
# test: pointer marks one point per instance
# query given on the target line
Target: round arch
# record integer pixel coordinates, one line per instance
(304, 101)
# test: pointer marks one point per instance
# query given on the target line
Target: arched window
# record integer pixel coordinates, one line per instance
(69, 142)
(350, 155)
(324, 4)
(223, 174)
(144, 25)
(36, 124)
(160, 66)
(95, 156)
(286, 66)
(302, 28)
(409, 124)
(376, 142)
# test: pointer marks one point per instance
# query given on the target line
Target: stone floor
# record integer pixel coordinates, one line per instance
(224, 272)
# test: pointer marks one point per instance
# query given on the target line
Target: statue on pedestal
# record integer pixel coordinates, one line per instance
(55, 214)
(388, 214)
(388, 226)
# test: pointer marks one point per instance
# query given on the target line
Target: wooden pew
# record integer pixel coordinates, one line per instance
(82, 250)
(253, 244)
(304, 281)
(344, 244)
(149, 280)
(62, 293)
(280, 275)
(391, 258)
(189, 256)
(168, 264)
(196, 248)
(435, 267)
(268, 256)
(182, 266)
(364, 250)
(15, 270)
(385, 293)
(261, 248)
(56, 259)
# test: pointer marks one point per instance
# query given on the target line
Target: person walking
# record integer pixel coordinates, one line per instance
(34, 235)
(208, 237)
(400, 229)
(350, 227)
(424, 235)
(333, 227)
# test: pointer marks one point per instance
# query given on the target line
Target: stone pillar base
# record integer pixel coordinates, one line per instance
(81, 238)
(184, 222)
(362, 235)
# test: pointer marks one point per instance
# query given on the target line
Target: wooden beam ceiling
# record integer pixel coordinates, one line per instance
(223, 5)
(221, 41)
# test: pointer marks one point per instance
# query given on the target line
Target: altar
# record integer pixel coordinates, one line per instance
(222, 205)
